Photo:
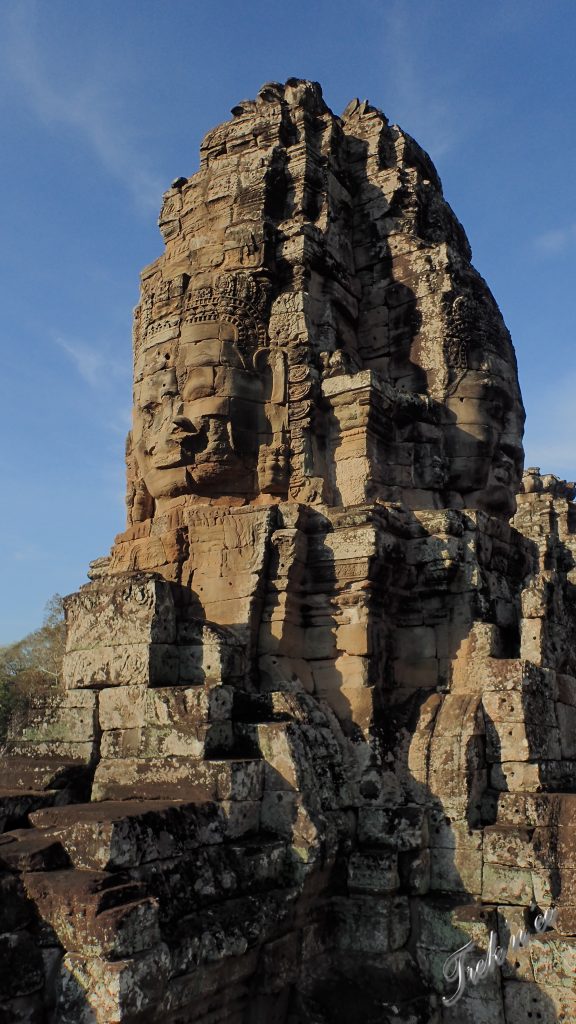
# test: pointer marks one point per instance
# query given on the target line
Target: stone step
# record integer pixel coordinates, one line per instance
(184, 739)
(113, 835)
(117, 920)
(125, 834)
(48, 773)
(27, 785)
(31, 850)
(15, 807)
(58, 725)
(66, 715)
(21, 979)
(166, 721)
(177, 777)
(49, 749)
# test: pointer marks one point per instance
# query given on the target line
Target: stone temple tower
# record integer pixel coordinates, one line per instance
(318, 731)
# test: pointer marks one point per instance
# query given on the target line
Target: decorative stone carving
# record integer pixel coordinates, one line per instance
(318, 727)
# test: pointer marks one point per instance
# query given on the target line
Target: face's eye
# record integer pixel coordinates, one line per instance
(497, 406)
(510, 454)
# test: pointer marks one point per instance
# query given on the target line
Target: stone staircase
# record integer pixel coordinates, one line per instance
(187, 852)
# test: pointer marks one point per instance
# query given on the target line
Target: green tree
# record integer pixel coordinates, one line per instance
(31, 666)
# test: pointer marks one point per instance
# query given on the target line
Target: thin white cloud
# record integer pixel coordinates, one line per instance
(423, 107)
(93, 364)
(557, 241)
(90, 107)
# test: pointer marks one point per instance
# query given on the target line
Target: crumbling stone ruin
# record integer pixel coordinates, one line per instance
(319, 727)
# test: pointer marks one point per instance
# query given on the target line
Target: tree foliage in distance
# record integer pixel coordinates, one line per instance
(31, 666)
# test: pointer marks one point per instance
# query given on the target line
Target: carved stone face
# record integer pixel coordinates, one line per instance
(201, 419)
(483, 441)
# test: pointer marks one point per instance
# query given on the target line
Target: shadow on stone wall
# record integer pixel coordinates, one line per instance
(355, 920)
(399, 904)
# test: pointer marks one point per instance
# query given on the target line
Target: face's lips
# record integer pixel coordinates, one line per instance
(169, 454)
(185, 425)
(168, 439)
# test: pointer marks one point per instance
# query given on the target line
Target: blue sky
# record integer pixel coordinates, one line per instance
(103, 104)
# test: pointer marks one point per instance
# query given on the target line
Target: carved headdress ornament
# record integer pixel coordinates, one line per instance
(239, 299)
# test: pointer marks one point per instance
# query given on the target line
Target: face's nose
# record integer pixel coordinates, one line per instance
(169, 384)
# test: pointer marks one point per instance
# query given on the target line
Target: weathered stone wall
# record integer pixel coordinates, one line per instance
(319, 719)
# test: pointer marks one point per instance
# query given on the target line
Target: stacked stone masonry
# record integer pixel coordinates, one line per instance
(319, 721)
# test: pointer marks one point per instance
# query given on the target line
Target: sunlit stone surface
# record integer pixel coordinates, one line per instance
(319, 727)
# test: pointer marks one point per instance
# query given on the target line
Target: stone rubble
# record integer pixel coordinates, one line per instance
(319, 720)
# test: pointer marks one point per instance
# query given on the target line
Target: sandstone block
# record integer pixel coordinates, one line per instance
(279, 811)
(517, 847)
(567, 726)
(368, 925)
(566, 689)
(354, 638)
(279, 963)
(122, 707)
(518, 963)
(22, 970)
(456, 870)
(126, 834)
(416, 674)
(515, 776)
(534, 808)
(178, 777)
(404, 828)
(76, 751)
(111, 992)
(373, 873)
(553, 961)
(134, 609)
(507, 885)
(523, 998)
(122, 665)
